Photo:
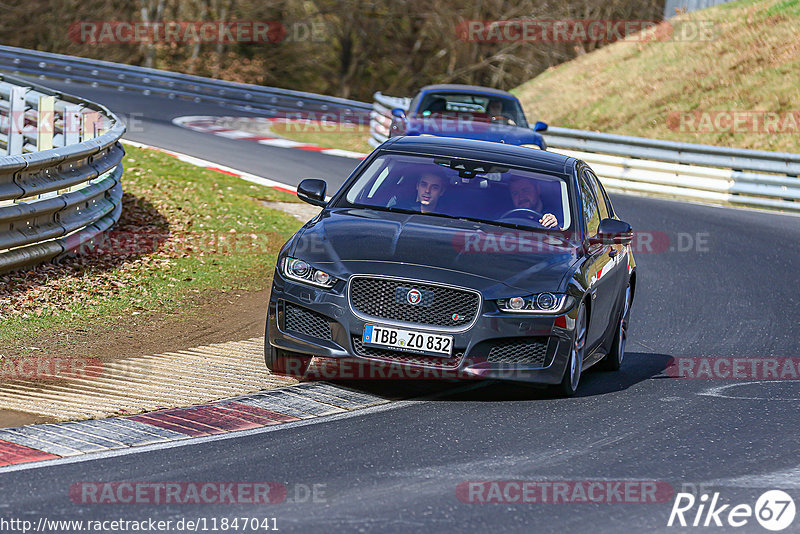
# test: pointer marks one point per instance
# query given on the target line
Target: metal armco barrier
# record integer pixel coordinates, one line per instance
(681, 170)
(754, 178)
(60, 171)
(171, 84)
(380, 118)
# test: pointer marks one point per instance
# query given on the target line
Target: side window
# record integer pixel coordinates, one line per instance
(605, 197)
(591, 217)
(599, 194)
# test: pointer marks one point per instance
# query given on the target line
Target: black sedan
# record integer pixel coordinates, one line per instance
(444, 257)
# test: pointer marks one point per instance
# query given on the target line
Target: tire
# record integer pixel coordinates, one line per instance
(572, 374)
(613, 360)
(280, 362)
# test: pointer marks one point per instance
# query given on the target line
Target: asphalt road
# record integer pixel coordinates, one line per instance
(720, 283)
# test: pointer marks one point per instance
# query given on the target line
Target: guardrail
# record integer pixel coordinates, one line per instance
(755, 178)
(683, 170)
(171, 84)
(380, 118)
(60, 171)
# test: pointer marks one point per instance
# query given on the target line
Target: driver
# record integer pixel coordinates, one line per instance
(526, 194)
(430, 189)
(496, 113)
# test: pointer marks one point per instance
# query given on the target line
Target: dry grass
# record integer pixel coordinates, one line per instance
(184, 234)
(751, 62)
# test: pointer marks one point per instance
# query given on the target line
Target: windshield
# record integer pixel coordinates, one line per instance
(473, 107)
(449, 187)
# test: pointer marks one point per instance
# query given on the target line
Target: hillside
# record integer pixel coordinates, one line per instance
(750, 64)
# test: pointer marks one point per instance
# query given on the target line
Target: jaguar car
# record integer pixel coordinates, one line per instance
(456, 258)
(470, 112)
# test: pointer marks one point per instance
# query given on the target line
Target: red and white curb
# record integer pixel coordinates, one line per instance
(267, 408)
(209, 124)
(210, 165)
(288, 404)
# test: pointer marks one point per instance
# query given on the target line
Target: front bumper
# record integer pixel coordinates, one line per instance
(322, 324)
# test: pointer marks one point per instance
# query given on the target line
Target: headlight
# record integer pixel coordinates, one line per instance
(543, 303)
(301, 271)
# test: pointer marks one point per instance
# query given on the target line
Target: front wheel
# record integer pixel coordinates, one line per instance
(572, 375)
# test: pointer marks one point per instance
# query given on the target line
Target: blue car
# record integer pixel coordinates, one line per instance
(468, 112)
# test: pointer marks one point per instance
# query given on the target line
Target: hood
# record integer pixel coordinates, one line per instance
(346, 241)
(479, 131)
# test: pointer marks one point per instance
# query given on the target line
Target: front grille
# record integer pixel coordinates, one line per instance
(439, 305)
(391, 356)
(522, 351)
(304, 321)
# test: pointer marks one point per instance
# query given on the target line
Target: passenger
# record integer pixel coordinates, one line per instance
(526, 194)
(495, 108)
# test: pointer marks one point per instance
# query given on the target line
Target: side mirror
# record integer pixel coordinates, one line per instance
(312, 190)
(400, 113)
(612, 231)
(540, 126)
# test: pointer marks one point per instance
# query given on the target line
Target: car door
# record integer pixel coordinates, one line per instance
(599, 266)
(619, 253)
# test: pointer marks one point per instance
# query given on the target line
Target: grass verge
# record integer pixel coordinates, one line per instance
(745, 57)
(185, 233)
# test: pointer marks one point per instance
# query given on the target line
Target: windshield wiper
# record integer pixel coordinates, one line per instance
(396, 210)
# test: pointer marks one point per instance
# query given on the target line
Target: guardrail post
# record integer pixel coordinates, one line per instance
(16, 120)
(45, 123)
(90, 120)
(72, 125)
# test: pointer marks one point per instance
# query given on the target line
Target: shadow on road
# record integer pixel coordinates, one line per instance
(637, 368)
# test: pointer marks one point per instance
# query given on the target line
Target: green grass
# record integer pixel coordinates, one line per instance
(785, 7)
(750, 63)
(216, 236)
(333, 136)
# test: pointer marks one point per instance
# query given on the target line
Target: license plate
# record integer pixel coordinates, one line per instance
(408, 340)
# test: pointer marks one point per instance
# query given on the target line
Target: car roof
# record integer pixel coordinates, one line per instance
(514, 155)
(467, 89)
